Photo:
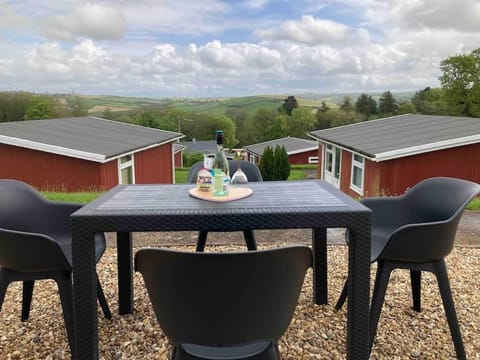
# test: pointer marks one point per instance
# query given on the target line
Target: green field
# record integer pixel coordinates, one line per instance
(97, 104)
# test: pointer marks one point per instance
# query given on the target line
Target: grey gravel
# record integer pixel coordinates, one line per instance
(316, 331)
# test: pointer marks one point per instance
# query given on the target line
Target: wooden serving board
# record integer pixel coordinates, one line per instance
(236, 193)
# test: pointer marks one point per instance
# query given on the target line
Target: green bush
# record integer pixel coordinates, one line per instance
(274, 164)
(191, 158)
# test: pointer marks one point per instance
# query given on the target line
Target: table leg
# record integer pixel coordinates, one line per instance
(84, 294)
(320, 278)
(125, 273)
(358, 309)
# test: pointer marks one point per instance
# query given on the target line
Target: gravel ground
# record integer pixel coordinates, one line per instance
(316, 332)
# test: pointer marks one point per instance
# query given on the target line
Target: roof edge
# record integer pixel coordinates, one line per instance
(420, 149)
(53, 149)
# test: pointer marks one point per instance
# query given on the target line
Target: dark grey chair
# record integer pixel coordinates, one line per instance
(253, 174)
(233, 305)
(35, 244)
(416, 231)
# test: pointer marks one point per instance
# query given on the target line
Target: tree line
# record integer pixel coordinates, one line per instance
(459, 95)
(22, 105)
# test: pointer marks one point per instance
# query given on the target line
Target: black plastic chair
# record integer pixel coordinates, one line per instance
(35, 244)
(253, 174)
(233, 305)
(416, 231)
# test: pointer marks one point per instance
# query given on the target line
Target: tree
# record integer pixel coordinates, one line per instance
(274, 164)
(324, 119)
(431, 102)
(461, 81)
(266, 164)
(289, 104)
(407, 107)
(346, 105)
(263, 125)
(76, 106)
(13, 105)
(387, 103)
(365, 105)
(39, 107)
(107, 113)
(324, 107)
(281, 165)
(301, 122)
(339, 117)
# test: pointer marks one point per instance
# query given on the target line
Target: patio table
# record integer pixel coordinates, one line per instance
(311, 204)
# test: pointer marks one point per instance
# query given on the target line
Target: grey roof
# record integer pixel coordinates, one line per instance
(203, 146)
(88, 138)
(178, 147)
(292, 145)
(403, 135)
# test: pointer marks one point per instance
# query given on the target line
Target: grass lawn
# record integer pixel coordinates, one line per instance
(296, 173)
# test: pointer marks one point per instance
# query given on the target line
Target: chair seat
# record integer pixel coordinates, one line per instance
(248, 351)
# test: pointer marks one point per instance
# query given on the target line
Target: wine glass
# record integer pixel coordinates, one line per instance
(239, 177)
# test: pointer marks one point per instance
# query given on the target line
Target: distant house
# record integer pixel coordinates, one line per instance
(85, 153)
(300, 151)
(178, 150)
(203, 146)
(387, 156)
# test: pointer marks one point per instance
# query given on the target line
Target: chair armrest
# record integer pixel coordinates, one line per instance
(25, 251)
(421, 242)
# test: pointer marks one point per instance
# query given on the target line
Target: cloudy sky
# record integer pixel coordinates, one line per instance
(214, 48)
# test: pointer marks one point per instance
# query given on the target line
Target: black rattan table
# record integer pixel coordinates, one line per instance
(273, 205)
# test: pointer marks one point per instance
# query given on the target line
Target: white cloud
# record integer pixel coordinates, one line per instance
(309, 30)
(443, 15)
(186, 48)
(86, 20)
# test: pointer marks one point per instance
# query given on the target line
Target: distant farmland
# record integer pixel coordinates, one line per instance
(97, 104)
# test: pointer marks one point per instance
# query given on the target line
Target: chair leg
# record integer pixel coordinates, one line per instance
(343, 296)
(201, 241)
(27, 298)
(4, 282)
(381, 281)
(65, 288)
(446, 294)
(416, 281)
(102, 300)
(250, 240)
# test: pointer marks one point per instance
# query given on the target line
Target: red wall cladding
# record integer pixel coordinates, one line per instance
(399, 174)
(301, 158)
(154, 165)
(49, 171)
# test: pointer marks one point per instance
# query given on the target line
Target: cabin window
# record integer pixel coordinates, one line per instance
(126, 175)
(358, 173)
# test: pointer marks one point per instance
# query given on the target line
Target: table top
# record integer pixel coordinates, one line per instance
(266, 208)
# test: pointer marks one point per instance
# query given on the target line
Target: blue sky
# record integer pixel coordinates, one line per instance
(213, 48)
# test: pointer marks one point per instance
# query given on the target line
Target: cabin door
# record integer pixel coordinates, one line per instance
(331, 171)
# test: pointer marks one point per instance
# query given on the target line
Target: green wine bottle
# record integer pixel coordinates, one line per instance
(221, 173)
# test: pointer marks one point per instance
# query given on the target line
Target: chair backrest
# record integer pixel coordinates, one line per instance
(20, 206)
(433, 208)
(24, 245)
(224, 298)
(250, 169)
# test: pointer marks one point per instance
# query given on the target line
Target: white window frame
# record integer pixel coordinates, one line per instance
(361, 166)
(313, 159)
(124, 165)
